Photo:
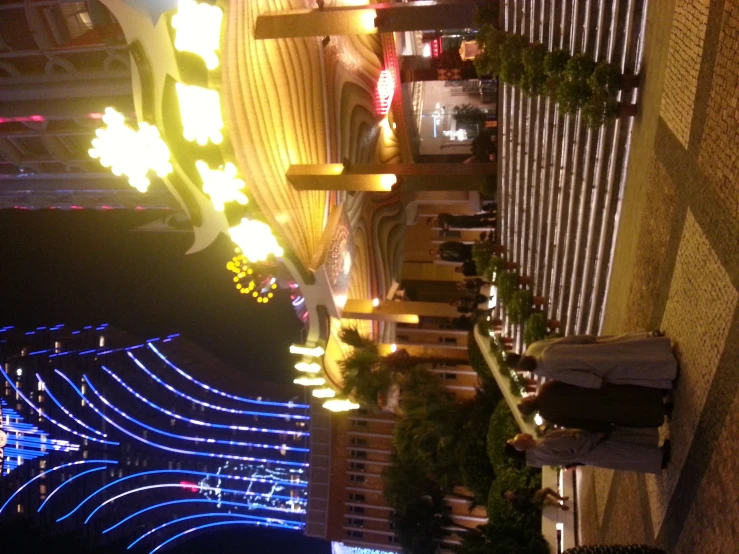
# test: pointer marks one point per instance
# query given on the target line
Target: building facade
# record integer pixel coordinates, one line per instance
(122, 438)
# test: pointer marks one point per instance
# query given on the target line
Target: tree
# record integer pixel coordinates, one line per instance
(615, 549)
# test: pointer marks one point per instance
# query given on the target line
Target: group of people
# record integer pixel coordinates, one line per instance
(456, 251)
(606, 395)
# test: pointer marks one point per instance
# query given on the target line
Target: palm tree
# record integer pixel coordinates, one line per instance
(367, 374)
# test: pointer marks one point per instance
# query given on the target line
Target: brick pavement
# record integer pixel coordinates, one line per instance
(677, 267)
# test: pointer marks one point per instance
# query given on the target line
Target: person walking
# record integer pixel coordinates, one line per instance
(452, 251)
(596, 409)
(622, 448)
(449, 221)
(641, 359)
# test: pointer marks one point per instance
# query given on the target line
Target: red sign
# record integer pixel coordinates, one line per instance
(384, 92)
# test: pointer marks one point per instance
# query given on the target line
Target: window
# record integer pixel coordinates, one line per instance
(356, 509)
(358, 454)
(356, 497)
(358, 442)
(359, 423)
(354, 534)
(358, 466)
(355, 522)
(356, 478)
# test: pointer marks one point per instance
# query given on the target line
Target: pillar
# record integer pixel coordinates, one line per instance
(399, 312)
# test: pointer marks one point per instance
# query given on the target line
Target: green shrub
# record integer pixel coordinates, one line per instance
(495, 268)
(475, 467)
(555, 61)
(507, 285)
(489, 186)
(478, 362)
(572, 95)
(536, 328)
(580, 67)
(606, 76)
(598, 110)
(481, 253)
(534, 76)
(520, 306)
(503, 538)
(511, 58)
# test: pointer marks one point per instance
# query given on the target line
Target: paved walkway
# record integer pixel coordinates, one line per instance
(676, 268)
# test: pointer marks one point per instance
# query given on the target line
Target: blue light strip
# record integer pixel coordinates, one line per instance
(221, 393)
(198, 528)
(55, 422)
(50, 471)
(189, 438)
(187, 472)
(203, 423)
(210, 514)
(179, 450)
(54, 399)
(65, 483)
(207, 404)
(187, 501)
(190, 486)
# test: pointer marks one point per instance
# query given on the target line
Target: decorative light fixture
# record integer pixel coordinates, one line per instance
(222, 185)
(310, 381)
(306, 351)
(308, 368)
(198, 30)
(340, 405)
(323, 393)
(200, 109)
(384, 92)
(129, 152)
(254, 281)
(255, 239)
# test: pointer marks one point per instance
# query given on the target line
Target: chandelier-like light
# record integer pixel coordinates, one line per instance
(222, 185)
(200, 109)
(198, 30)
(129, 152)
(255, 239)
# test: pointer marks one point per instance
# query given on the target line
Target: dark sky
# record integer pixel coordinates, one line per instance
(87, 267)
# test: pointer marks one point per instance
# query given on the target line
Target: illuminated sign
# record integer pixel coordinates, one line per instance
(200, 109)
(129, 152)
(222, 185)
(384, 92)
(198, 30)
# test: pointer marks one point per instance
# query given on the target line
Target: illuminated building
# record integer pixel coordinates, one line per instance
(144, 440)
(61, 65)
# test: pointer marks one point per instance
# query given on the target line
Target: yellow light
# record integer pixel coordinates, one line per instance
(310, 381)
(250, 271)
(265, 300)
(198, 30)
(340, 405)
(222, 185)
(236, 279)
(200, 109)
(129, 152)
(255, 294)
(306, 351)
(323, 393)
(274, 286)
(308, 368)
(376, 302)
(255, 240)
(239, 286)
(270, 295)
(387, 180)
(393, 347)
(367, 20)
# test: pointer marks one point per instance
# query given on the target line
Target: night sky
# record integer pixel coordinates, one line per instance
(88, 267)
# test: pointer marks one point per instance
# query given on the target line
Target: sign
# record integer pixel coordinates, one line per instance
(384, 92)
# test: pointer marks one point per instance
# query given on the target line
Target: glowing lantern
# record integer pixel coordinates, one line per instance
(384, 92)
(255, 239)
(306, 351)
(130, 152)
(308, 368)
(198, 30)
(340, 405)
(222, 185)
(310, 381)
(200, 109)
(324, 393)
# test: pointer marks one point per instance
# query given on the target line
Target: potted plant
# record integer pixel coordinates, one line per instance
(571, 95)
(534, 76)
(520, 306)
(579, 67)
(507, 285)
(481, 253)
(555, 61)
(536, 328)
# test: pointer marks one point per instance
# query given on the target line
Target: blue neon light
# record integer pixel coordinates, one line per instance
(207, 404)
(49, 471)
(189, 486)
(189, 438)
(202, 423)
(300, 484)
(54, 399)
(179, 450)
(65, 483)
(187, 501)
(210, 514)
(198, 528)
(55, 422)
(221, 393)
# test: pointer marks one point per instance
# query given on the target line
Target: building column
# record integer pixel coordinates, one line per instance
(399, 312)
(383, 177)
(426, 351)
(368, 19)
